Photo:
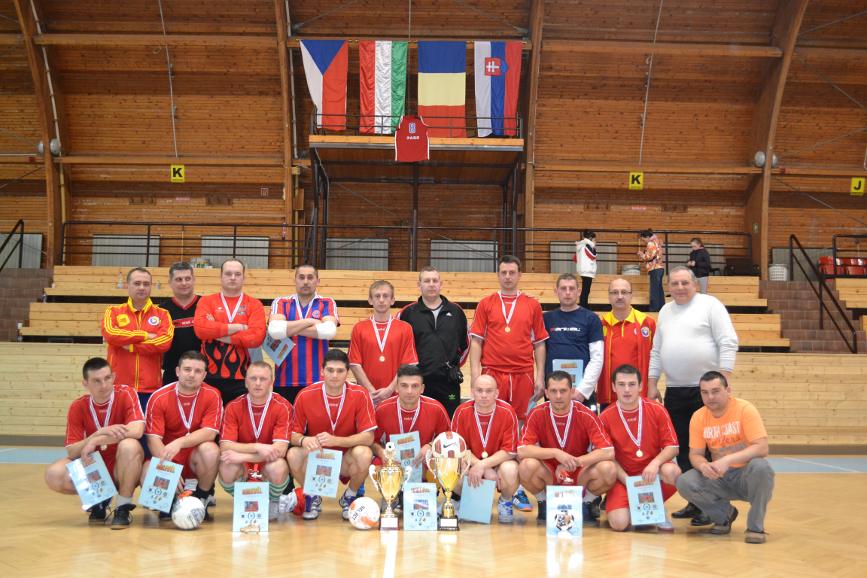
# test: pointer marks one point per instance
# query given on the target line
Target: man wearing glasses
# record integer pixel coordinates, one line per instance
(628, 339)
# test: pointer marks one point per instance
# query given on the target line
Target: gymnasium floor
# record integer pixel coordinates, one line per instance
(817, 523)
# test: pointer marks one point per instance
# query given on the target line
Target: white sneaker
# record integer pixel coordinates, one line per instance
(505, 514)
(273, 510)
(287, 502)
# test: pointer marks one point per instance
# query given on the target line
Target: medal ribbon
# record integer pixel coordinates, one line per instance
(231, 316)
(635, 439)
(508, 317)
(107, 412)
(381, 342)
(328, 407)
(257, 429)
(187, 420)
(484, 436)
(561, 440)
(414, 417)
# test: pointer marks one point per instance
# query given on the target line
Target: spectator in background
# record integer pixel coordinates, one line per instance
(652, 256)
(699, 262)
(585, 261)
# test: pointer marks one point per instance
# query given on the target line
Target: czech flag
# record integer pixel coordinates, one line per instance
(326, 66)
(498, 77)
(442, 87)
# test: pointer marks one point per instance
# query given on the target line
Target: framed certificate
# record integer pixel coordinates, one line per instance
(564, 516)
(251, 507)
(160, 485)
(406, 447)
(91, 480)
(645, 501)
(323, 473)
(419, 507)
(574, 367)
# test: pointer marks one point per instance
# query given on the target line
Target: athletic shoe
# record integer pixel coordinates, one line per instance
(345, 502)
(360, 492)
(689, 511)
(542, 514)
(212, 501)
(98, 513)
(122, 517)
(521, 501)
(596, 507)
(701, 520)
(165, 516)
(312, 507)
(587, 514)
(273, 510)
(504, 511)
(755, 537)
(398, 509)
(725, 527)
(666, 527)
(287, 503)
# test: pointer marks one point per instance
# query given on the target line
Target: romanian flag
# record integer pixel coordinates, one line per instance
(498, 76)
(442, 87)
(326, 66)
(382, 76)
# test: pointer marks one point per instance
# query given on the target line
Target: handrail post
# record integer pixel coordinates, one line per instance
(821, 304)
(148, 247)
(62, 244)
(667, 251)
(234, 241)
(21, 245)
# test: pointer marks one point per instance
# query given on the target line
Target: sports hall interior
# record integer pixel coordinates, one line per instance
(744, 118)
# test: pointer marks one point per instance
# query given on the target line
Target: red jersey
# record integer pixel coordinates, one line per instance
(429, 419)
(344, 416)
(579, 432)
(134, 358)
(398, 349)
(274, 426)
(628, 341)
(85, 418)
(500, 427)
(213, 316)
(411, 140)
(657, 433)
(509, 351)
(203, 409)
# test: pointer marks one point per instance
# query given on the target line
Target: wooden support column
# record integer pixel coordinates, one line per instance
(787, 24)
(54, 204)
(537, 13)
(288, 180)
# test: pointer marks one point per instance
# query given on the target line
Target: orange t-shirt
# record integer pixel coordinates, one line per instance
(740, 425)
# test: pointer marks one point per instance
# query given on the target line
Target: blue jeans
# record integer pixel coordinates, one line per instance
(657, 295)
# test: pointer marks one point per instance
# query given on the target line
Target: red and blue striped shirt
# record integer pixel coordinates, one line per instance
(304, 363)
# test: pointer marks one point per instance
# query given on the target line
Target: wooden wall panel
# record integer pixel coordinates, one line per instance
(814, 227)
(31, 208)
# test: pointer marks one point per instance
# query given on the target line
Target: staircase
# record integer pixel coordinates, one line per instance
(799, 312)
(18, 289)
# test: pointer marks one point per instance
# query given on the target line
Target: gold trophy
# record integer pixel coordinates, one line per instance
(388, 479)
(448, 471)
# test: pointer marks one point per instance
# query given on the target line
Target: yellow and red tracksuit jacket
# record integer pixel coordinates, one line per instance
(136, 360)
(628, 341)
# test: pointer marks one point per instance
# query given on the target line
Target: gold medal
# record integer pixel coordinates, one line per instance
(639, 453)
(103, 447)
(382, 358)
(484, 455)
(508, 329)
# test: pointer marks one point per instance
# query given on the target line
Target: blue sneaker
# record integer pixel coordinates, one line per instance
(521, 501)
(312, 507)
(360, 491)
(504, 511)
(345, 502)
(587, 514)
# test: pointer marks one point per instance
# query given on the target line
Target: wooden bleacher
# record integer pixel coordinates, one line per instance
(806, 400)
(84, 320)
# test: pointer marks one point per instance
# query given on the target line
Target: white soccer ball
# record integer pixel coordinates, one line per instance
(449, 444)
(364, 513)
(188, 513)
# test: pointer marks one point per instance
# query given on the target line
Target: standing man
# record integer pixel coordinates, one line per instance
(108, 419)
(333, 414)
(508, 340)
(575, 334)
(555, 442)
(694, 335)
(733, 431)
(182, 308)
(137, 334)
(183, 420)
(378, 346)
(255, 438)
(628, 337)
(585, 263)
(229, 323)
(310, 320)
(490, 428)
(653, 257)
(644, 445)
(439, 328)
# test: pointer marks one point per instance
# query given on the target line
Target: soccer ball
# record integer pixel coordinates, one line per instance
(449, 444)
(188, 513)
(364, 513)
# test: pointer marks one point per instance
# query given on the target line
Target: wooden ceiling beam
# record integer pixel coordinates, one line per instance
(694, 168)
(11, 39)
(173, 40)
(662, 48)
(140, 160)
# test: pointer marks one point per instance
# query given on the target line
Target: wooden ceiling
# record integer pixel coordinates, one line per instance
(713, 60)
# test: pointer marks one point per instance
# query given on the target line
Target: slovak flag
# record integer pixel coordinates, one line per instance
(498, 77)
(326, 66)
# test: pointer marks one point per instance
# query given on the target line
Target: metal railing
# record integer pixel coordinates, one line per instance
(820, 288)
(19, 244)
(846, 247)
(462, 127)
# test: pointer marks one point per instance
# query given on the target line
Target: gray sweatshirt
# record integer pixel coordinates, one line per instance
(692, 339)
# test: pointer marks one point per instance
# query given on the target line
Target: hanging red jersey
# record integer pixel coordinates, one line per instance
(411, 141)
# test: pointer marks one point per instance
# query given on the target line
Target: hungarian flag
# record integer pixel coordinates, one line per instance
(326, 66)
(498, 76)
(442, 87)
(382, 76)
